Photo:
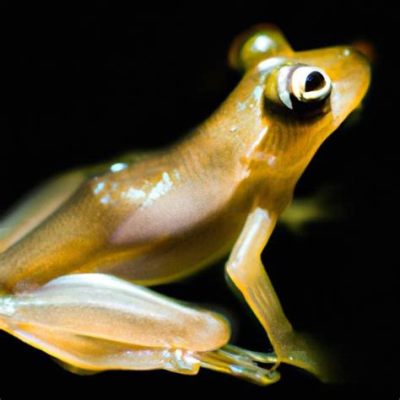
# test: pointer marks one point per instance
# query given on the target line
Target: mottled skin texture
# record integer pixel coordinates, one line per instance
(156, 217)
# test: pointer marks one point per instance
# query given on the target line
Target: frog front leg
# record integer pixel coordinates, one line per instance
(246, 271)
(319, 207)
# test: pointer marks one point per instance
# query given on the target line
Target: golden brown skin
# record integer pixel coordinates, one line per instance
(155, 218)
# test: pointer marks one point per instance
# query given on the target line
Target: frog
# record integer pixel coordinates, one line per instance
(79, 256)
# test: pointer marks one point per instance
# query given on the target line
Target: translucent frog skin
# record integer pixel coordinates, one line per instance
(78, 252)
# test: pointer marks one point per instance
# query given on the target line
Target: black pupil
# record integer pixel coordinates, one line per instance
(314, 81)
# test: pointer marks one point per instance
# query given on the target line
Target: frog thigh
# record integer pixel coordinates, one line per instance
(45, 199)
(38, 205)
(97, 322)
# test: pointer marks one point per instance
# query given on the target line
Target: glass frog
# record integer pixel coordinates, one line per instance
(79, 254)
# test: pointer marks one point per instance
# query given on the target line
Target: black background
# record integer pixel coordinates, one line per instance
(78, 87)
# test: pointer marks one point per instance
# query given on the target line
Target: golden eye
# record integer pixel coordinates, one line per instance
(304, 84)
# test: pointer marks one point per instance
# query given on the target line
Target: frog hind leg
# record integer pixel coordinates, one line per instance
(42, 201)
(85, 355)
(241, 363)
(89, 356)
(96, 322)
(37, 206)
(73, 369)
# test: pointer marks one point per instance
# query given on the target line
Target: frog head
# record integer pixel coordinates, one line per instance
(296, 98)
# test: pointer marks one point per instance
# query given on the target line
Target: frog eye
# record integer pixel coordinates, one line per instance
(303, 84)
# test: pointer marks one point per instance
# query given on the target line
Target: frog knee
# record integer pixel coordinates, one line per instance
(211, 334)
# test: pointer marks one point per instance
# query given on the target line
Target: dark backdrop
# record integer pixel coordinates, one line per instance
(76, 88)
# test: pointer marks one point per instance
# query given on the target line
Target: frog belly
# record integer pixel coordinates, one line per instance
(181, 255)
